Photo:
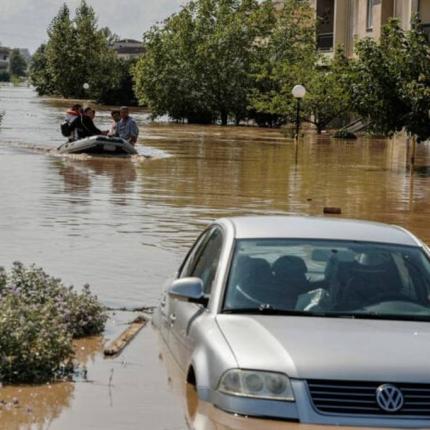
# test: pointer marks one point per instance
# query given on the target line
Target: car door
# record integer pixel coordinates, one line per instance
(204, 265)
(166, 303)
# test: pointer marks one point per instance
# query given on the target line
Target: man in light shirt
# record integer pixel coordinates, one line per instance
(127, 128)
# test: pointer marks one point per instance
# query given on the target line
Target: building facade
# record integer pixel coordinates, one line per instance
(128, 49)
(343, 22)
(4, 59)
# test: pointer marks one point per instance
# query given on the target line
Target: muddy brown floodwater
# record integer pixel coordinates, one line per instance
(123, 225)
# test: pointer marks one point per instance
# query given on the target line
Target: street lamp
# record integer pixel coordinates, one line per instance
(86, 86)
(299, 91)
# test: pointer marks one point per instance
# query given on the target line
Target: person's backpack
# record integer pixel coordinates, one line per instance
(65, 129)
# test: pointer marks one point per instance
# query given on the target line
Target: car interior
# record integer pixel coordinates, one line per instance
(328, 279)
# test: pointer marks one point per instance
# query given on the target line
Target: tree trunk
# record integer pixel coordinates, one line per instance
(223, 118)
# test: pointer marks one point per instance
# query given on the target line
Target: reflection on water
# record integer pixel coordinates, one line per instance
(26, 407)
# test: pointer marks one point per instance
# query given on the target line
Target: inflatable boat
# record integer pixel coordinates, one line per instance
(98, 145)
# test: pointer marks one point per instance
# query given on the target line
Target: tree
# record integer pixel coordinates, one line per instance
(39, 73)
(96, 59)
(17, 64)
(288, 58)
(327, 96)
(77, 52)
(197, 65)
(62, 59)
(122, 92)
(390, 81)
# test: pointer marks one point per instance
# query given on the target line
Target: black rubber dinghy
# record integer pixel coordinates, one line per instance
(99, 145)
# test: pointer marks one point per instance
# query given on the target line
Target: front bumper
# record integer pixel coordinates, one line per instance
(302, 410)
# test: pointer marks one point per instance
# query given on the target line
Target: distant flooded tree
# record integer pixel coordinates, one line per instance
(77, 51)
(97, 60)
(61, 55)
(327, 97)
(17, 64)
(39, 73)
(120, 92)
(197, 65)
(289, 58)
(390, 81)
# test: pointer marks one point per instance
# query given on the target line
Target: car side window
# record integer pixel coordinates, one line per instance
(190, 260)
(207, 261)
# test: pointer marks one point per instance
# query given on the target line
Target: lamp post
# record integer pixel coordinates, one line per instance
(299, 91)
(86, 87)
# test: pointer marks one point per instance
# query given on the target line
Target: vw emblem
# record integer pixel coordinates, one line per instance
(389, 398)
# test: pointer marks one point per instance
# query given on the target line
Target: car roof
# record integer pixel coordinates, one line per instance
(304, 227)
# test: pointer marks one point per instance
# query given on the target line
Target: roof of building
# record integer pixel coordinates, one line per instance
(130, 50)
(319, 228)
(128, 41)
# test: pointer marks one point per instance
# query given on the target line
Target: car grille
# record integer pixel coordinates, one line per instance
(359, 398)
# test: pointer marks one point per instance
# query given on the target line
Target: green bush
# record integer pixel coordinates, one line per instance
(39, 317)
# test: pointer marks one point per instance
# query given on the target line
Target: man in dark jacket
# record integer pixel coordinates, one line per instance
(84, 124)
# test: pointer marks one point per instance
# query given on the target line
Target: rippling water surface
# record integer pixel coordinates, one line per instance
(123, 225)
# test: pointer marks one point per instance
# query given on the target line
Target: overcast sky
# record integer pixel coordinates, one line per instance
(23, 23)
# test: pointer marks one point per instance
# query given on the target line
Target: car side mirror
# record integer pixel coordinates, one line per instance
(188, 289)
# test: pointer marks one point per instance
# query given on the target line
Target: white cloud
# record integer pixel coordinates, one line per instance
(23, 23)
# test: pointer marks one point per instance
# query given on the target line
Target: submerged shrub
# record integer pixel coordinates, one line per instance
(39, 317)
(81, 312)
(34, 344)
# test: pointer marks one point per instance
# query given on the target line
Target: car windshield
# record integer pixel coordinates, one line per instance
(329, 278)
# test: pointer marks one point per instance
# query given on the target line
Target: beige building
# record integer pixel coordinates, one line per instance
(128, 49)
(342, 22)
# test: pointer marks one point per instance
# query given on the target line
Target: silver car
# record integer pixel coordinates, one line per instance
(310, 320)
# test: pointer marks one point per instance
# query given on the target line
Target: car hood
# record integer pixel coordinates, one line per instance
(330, 348)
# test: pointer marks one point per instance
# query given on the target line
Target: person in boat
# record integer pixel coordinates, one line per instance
(127, 128)
(116, 117)
(84, 124)
(71, 114)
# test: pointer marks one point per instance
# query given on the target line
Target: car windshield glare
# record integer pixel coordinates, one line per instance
(329, 278)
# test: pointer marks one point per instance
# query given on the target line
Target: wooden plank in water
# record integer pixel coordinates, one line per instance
(117, 346)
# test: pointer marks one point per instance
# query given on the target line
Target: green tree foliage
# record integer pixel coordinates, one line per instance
(63, 67)
(390, 81)
(121, 92)
(39, 73)
(291, 58)
(77, 51)
(197, 66)
(288, 57)
(17, 64)
(327, 96)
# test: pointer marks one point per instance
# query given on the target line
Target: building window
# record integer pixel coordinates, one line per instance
(325, 27)
(369, 14)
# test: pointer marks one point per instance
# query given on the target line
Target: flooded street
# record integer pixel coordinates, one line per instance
(123, 226)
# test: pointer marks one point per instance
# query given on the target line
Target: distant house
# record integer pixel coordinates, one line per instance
(128, 49)
(4, 58)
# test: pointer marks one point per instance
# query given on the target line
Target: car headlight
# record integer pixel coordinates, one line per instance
(252, 383)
